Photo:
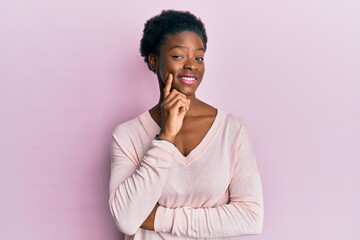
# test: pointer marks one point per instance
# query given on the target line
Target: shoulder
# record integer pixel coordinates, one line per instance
(127, 125)
(234, 128)
(232, 121)
(127, 130)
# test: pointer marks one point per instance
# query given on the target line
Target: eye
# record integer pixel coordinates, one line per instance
(200, 59)
(177, 56)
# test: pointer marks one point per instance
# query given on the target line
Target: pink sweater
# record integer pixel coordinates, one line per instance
(215, 192)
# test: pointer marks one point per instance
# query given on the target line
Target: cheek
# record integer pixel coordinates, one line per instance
(201, 69)
(165, 70)
(162, 76)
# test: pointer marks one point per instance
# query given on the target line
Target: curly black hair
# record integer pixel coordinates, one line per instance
(168, 22)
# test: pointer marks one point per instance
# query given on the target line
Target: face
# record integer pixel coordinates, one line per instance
(182, 55)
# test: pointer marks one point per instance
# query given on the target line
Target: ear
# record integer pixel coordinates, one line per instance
(152, 60)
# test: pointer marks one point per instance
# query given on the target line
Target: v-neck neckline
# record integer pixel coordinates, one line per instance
(194, 153)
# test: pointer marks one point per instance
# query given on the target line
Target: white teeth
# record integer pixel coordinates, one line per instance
(188, 78)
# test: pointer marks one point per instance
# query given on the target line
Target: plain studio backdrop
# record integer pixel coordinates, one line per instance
(70, 71)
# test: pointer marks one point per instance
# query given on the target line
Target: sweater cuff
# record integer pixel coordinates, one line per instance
(161, 152)
(164, 145)
(164, 219)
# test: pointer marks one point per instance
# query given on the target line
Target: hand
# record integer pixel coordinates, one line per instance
(173, 109)
(148, 224)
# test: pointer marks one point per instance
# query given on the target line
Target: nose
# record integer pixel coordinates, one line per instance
(190, 65)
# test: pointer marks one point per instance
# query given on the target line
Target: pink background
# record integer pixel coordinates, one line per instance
(70, 71)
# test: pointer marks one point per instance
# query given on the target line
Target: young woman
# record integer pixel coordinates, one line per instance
(183, 169)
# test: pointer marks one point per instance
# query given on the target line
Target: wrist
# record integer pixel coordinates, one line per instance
(162, 137)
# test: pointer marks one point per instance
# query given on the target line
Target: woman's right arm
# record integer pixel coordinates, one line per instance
(135, 187)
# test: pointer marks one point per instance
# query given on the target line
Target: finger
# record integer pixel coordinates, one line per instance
(168, 85)
(180, 107)
(187, 104)
(174, 94)
(171, 104)
(172, 98)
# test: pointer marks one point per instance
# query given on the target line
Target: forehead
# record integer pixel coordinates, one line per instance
(186, 39)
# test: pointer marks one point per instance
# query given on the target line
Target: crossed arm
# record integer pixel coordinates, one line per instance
(136, 189)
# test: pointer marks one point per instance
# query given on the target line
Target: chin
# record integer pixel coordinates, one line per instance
(188, 90)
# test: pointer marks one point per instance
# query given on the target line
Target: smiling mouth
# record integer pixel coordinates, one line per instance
(188, 80)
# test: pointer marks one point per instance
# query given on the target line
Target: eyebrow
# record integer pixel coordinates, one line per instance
(180, 46)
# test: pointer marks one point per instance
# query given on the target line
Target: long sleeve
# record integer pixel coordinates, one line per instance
(135, 186)
(241, 216)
